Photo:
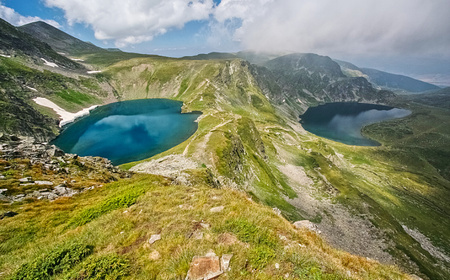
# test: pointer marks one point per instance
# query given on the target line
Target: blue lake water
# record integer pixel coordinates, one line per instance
(129, 130)
(342, 122)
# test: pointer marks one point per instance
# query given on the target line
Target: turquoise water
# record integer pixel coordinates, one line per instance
(342, 122)
(129, 131)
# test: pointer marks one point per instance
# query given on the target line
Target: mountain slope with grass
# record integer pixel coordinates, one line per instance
(224, 188)
(14, 42)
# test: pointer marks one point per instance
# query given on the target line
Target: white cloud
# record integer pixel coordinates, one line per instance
(131, 22)
(349, 26)
(16, 19)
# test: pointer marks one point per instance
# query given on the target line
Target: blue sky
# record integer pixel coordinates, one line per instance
(188, 40)
(402, 36)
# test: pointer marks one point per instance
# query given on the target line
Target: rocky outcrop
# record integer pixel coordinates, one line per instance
(208, 266)
(52, 168)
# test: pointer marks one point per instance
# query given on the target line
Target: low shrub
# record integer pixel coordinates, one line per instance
(109, 267)
(59, 260)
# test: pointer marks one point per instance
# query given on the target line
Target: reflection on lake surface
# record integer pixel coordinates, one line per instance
(129, 130)
(342, 122)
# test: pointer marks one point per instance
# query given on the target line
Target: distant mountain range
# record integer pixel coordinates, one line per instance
(387, 80)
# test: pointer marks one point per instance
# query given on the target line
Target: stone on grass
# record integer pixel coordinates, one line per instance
(216, 209)
(306, 224)
(198, 235)
(154, 238)
(277, 211)
(24, 180)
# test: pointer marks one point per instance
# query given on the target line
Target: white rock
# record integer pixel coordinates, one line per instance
(225, 262)
(154, 238)
(277, 266)
(46, 183)
(216, 209)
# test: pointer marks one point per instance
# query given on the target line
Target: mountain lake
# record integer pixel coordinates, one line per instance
(342, 122)
(129, 130)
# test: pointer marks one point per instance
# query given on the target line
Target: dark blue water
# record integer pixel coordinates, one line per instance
(342, 122)
(129, 131)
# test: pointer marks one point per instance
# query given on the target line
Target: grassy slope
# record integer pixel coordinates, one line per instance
(233, 105)
(116, 221)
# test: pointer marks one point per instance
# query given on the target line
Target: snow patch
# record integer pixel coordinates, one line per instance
(66, 117)
(30, 88)
(4, 55)
(76, 59)
(94, 72)
(48, 63)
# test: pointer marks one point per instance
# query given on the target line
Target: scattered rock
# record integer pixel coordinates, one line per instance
(154, 238)
(277, 266)
(197, 235)
(8, 214)
(204, 268)
(225, 262)
(24, 180)
(216, 209)
(155, 255)
(3, 190)
(2, 177)
(204, 225)
(415, 277)
(306, 224)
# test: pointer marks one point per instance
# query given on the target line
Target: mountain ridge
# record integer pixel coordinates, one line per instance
(57, 39)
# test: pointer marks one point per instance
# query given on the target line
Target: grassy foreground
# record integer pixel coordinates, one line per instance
(103, 234)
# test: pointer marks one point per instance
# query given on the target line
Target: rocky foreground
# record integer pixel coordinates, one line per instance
(34, 170)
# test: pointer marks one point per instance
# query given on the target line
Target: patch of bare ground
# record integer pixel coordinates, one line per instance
(338, 225)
